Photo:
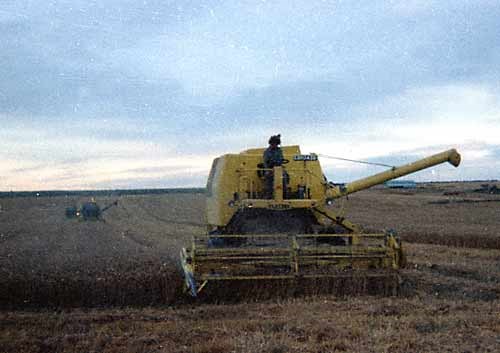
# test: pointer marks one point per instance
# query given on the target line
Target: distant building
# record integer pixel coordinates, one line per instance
(401, 184)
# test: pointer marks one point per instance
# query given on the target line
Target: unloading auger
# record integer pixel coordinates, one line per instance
(293, 235)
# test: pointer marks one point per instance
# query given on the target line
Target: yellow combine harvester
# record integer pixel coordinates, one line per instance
(291, 234)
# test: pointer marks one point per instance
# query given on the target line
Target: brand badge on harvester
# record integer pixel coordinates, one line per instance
(306, 157)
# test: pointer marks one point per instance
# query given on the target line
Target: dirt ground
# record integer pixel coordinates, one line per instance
(114, 285)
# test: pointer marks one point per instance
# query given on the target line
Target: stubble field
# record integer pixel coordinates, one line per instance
(114, 286)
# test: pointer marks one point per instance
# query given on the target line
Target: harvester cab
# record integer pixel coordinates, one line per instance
(89, 210)
(292, 235)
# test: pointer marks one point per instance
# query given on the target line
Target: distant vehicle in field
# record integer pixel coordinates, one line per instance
(488, 189)
(88, 211)
(400, 184)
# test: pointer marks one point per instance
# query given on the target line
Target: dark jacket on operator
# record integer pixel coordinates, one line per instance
(273, 157)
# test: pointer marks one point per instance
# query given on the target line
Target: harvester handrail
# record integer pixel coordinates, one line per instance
(288, 169)
(291, 171)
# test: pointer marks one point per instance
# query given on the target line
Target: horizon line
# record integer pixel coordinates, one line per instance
(192, 188)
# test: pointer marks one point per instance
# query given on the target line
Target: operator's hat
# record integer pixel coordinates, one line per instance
(275, 139)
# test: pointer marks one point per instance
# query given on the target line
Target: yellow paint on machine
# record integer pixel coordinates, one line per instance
(237, 187)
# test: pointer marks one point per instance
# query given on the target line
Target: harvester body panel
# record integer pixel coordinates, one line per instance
(237, 179)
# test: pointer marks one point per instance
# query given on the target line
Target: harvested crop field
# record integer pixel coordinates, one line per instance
(113, 286)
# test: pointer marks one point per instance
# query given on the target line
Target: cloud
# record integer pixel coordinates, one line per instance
(59, 153)
(37, 158)
(448, 114)
(416, 123)
(451, 114)
(129, 163)
(136, 88)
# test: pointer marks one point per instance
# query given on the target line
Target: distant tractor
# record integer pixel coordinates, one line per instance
(488, 189)
(88, 211)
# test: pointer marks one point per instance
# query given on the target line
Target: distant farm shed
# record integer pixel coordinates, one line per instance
(401, 184)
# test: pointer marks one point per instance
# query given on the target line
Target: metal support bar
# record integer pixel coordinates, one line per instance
(278, 183)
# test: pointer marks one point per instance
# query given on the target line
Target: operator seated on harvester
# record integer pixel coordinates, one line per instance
(273, 157)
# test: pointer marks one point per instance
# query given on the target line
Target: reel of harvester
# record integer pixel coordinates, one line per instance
(290, 241)
(298, 260)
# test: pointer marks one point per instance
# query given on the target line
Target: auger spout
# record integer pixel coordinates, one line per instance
(451, 156)
(107, 207)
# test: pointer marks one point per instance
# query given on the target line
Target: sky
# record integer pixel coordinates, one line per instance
(144, 94)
